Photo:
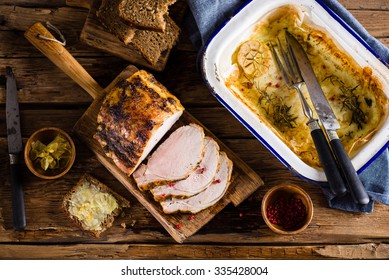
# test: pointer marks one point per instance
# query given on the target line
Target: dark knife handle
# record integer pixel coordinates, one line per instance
(327, 159)
(354, 183)
(19, 217)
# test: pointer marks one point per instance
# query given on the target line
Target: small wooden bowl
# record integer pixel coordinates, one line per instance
(287, 191)
(46, 135)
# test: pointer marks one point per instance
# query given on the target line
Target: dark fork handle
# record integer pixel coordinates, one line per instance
(327, 159)
(354, 183)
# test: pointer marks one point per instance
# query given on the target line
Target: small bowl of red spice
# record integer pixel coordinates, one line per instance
(287, 209)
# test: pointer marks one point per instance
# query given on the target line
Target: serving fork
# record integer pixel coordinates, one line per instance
(291, 74)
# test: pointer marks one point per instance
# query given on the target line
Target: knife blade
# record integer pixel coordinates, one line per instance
(15, 146)
(328, 120)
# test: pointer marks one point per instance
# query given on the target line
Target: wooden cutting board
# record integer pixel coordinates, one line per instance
(96, 35)
(180, 226)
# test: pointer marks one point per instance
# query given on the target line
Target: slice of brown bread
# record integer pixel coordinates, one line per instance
(151, 44)
(145, 14)
(92, 206)
(108, 15)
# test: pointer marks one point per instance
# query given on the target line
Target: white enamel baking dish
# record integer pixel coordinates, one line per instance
(216, 65)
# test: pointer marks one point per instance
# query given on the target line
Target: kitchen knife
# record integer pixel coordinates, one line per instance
(15, 147)
(329, 121)
(292, 77)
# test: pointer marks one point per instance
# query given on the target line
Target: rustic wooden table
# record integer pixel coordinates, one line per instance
(50, 98)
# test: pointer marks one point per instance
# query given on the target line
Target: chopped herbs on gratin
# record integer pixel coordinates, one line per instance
(350, 100)
(276, 108)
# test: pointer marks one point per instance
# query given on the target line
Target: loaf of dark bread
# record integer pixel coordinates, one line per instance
(151, 44)
(145, 14)
(92, 206)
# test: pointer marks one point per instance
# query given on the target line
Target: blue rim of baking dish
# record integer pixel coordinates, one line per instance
(350, 30)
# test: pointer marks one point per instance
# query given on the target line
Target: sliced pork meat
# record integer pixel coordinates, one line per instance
(212, 194)
(133, 117)
(175, 159)
(198, 180)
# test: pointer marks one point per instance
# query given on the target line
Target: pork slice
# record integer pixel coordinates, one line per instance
(198, 180)
(175, 159)
(212, 194)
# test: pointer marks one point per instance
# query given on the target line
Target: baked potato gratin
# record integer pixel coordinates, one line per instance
(355, 95)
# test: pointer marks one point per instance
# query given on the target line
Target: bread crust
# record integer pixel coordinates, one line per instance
(108, 16)
(145, 14)
(151, 44)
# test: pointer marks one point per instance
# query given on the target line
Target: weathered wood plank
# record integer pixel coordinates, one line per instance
(46, 223)
(200, 252)
(13, 44)
(349, 4)
(32, 120)
(186, 81)
(21, 18)
(375, 22)
(362, 251)
(40, 81)
(367, 5)
(124, 251)
(35, 3)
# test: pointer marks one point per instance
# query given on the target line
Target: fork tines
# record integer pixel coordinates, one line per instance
(289, 69)
(291, 73)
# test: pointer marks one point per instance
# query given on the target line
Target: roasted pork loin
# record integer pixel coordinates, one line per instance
(212, 194)
(187, 172)
(175, 159)
(133, 118)
(198, 180)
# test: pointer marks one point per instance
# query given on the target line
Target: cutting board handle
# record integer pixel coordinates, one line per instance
(62, 58)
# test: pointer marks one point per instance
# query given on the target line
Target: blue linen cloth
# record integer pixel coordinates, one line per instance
(207, 16)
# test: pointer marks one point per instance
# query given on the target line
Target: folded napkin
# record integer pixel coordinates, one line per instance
(207, 16)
